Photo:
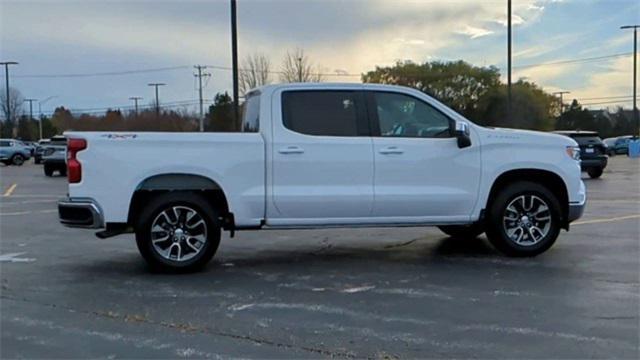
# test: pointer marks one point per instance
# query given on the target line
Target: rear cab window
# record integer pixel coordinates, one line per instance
(325, 112)
(251, 113)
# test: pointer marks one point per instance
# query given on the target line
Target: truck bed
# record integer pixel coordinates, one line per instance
(122, 161)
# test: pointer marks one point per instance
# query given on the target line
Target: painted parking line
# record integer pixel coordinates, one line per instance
(4, 203)
(10, 190)
(606, 220)
(19, 213)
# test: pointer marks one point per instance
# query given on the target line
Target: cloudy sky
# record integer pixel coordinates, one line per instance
(55, 38)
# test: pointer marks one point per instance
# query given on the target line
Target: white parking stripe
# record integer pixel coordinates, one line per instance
(10, 190)
(18, 213)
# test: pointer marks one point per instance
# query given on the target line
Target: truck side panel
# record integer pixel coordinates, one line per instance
(115, 164)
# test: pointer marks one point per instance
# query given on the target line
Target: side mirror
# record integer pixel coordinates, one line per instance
(463, 134)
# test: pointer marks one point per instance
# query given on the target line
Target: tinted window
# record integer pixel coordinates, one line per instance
(5, 143)
(405, 116)
(328, 113)
(251, 113)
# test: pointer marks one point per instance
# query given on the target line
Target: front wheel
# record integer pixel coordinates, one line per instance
(463, 231)
(524, 219)
(595, 173)
(178, 231)
(17, 160)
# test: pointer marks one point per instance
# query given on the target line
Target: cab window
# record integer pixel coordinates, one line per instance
(324, 113)
(400, 115)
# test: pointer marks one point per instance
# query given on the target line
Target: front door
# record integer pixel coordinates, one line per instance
(419, 170)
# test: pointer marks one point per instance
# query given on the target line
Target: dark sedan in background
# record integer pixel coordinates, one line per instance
(593, 151)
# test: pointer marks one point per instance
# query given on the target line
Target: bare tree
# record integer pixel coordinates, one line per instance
(297, 67)
(255, 72)
(13, 106)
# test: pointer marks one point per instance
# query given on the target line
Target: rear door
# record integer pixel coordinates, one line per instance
(322, 161)
(420, 173)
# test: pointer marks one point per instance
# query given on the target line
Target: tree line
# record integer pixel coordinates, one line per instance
(475, 92)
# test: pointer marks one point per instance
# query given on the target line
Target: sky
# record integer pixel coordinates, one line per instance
(54, 39)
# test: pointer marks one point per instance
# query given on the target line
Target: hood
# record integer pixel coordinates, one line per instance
(529, 136)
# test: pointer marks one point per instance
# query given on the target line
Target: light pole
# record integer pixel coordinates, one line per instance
(135, 101)
(234, 60)
(156, 85)
(635, 75)
(509, 60)
(30, 101)
(6, 77)
(40, 112)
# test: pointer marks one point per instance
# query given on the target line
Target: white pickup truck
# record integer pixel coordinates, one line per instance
(320, 155)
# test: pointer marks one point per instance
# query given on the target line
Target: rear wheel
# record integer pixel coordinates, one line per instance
(524, 219)
(463, 231)
(178, 231)
(63, 171)
(595, 173)
(48, 171)
(17, 159)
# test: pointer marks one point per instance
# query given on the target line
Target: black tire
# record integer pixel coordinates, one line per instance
(463, 231)
(48, 171)
(166, 201)
(63, 171)
(17, 160)
(595, 173)
(497, 233)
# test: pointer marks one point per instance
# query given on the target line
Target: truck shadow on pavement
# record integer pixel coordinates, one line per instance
(422, 251)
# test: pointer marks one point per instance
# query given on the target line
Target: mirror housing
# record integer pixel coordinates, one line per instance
(463, 134)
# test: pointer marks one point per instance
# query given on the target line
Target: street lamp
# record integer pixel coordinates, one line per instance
(234, 61)
(635, 74)
(6, 77)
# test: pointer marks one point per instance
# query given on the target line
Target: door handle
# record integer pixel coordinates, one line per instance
(291, 150)
(391, 150)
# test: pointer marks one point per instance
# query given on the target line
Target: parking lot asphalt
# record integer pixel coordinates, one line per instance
(362, 293)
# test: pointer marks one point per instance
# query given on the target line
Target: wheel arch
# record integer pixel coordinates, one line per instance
(546, 178)
(162, 183)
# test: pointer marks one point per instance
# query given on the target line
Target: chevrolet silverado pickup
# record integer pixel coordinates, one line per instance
(324, 155)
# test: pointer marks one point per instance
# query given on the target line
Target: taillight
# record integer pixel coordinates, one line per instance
(74, 168)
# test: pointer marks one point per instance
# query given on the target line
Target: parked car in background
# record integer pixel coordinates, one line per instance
(54, 156)
(610, 144)
(621, 145)
(325, 155)
(29, 145)
(37, 155)
(13, 152)
(593, 151)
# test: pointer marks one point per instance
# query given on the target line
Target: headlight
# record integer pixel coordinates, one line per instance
(574, 152)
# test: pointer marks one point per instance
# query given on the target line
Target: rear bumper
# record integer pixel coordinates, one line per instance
(54, 162)
(80, 213)
(598, 162)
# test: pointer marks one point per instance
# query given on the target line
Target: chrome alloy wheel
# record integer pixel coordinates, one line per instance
(527, 220)
(178, 233)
